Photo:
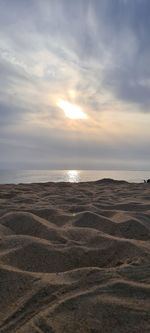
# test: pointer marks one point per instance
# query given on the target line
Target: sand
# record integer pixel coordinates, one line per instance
(75, 258)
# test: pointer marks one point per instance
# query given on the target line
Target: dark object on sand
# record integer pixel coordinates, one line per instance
(147, 181)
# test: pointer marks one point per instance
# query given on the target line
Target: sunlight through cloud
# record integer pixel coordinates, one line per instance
(72, 111)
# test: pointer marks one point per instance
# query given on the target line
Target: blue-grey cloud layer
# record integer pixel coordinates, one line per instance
(99, 48)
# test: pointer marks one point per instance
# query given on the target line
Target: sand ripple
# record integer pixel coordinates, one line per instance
(75, 258)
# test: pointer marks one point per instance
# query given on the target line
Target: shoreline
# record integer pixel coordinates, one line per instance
(100, 181)
(36, 176)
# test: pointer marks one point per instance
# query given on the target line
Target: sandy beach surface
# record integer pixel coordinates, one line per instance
(75, 257)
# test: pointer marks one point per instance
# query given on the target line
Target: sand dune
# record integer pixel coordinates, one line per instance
(75, 257)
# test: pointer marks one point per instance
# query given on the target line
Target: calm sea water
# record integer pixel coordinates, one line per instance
(36, 176)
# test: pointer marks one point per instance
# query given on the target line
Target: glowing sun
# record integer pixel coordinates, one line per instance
(72, 111)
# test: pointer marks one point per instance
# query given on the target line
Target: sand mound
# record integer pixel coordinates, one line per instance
(94, 221)
(75, 258)
(33, 254)
(134, 229)
(5, 231)
(23, 223)
(131, 228)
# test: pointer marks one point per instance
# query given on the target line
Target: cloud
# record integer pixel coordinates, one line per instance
(28, 148)
(100, 51)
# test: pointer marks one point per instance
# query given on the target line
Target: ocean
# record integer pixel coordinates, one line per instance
(37, 176)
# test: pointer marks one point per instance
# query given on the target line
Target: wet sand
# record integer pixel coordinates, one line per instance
(75, 257)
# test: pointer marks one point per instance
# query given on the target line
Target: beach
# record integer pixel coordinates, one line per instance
(75, 257)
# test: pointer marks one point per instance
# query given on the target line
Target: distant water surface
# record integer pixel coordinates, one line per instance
(37, 176)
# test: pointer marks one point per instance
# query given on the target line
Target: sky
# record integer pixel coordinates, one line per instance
(75, 84)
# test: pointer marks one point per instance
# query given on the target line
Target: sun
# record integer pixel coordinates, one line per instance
(72, 111)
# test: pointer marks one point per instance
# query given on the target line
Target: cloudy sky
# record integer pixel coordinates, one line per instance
(75, 84)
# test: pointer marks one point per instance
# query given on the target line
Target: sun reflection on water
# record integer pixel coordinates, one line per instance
(73, 176)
